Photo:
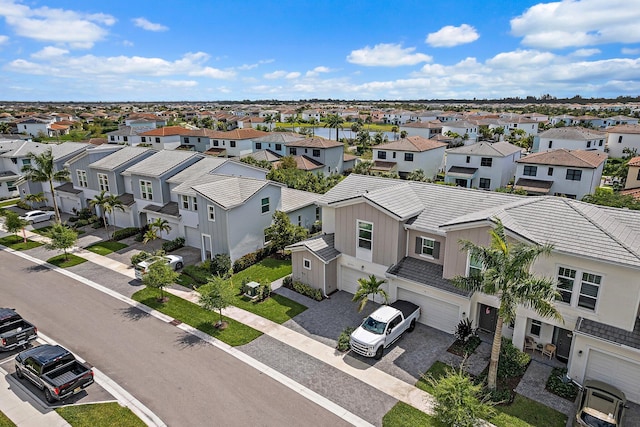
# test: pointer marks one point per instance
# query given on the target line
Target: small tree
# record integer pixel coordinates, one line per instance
(14, 223)
(61, 238)
(219, 295)
(369, 286)
(459, 402)
(220, 265)
(159, 276)
(155, 228)
(35, 198)
(282, 233)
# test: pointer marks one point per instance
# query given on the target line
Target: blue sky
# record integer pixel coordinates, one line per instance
(297, 49)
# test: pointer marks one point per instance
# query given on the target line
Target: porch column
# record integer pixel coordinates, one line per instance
(519, 330)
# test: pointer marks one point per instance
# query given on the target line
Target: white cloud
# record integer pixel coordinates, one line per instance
(180, 83)
(49, 52)
(4, 39)
(213, 73)
(76, 29)
(275, 75)
(127, 43)
(575, 23)
(255, 65)
(387, 55)
(292, 75)
(584, 53)
(318, 70)
(145, 24)
(450, 36)
(630, 51)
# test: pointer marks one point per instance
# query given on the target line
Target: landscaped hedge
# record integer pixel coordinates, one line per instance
(513, 362)
(302, 288)
(23, 205)
(174, 244)
(249, 259)
(555, 385)
(123, 233)
(198, 274)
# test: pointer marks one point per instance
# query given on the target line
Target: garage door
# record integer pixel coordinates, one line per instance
(192, 236)
(122, 218)
(613, 370)
(349, 279)
(435, 313)
(67, 204)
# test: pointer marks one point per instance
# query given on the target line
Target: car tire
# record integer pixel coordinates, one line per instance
(379, 352)
(19, 373)
(178, 266)
(412, 325)
(48, 396)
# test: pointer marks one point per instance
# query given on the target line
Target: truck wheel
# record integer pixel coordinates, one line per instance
(379, 351)
(412, 326)
(19, 373)
(48, 396)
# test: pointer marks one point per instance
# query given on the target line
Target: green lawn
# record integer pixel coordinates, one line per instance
(17, 243)
(186, 281)
(105, 248)
(5, 422)
(65, 262)
(100, 415)
(403, 415)
(192, 314)
(268, 269)
(9, 202)
(42, 230)
(436, 371)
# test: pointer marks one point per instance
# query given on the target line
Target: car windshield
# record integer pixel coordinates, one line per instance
(372, 325)
(592, 421)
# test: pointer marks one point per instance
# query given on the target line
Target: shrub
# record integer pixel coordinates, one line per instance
(95, 218)
(512, 362)
(139, 257)
(139, 237)
(84, 213)
(287, 282)
(23, 205)
(343, 339)
(264, 291)
(307, 290)
(97, 224)
(252, 258)
(123, 233)
(174, 244)
(199, 274)
(220, 265)
(82, 223)
(73, 219)
(465, 330)
(557, 386)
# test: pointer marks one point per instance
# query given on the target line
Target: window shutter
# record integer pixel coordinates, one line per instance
(436, 250)
(418, 245)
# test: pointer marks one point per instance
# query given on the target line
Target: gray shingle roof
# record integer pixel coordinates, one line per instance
(126, 199)
(186, 188)
(424, 273)
(296, 199)
(280, 137)
(573, 133)
(610, 333)
(170, 209)
(67, 187)
(399, 200)
(201, 167)
(322, 246)
(160, 163)
(230, 192)
(120, 157)
(496, 149)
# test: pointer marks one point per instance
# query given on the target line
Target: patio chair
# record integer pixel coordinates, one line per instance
(549, 350)
(529, 343)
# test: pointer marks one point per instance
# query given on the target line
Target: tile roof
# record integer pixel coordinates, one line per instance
(462, 171)
(231, 191)
(322, 246)
(633, 192)
(348, 157)
(305, 163)
(573, 133)
(412, 143)
(610, 333)
(424, 125)
(266, 155)
(634, 161)
(167, 131)
(161, 162)
(280, 137)
(186, 187)
(127, 199)
(495, 149)
(315, 142)
(170, 209)
(379, 165)
(120, 157)
(562, 157)
(534, 185)
(237, 134)
(67, 187)
(126, 131)
(406, 206)
(633, 129)
(293, 200)
(424, 273)
(203, 166)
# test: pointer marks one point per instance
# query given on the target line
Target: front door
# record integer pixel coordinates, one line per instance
(488, 318)
(461, 182)
(562, 338)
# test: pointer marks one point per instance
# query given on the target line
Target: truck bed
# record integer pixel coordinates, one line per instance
(66, 373)
(407, 308)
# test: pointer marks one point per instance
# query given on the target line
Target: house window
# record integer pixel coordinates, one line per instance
(316, 153)
(317, 213)
(408, 157)
(306, 263)
(468, 159)
(486, 161)
(382, 155)
(427, 246)
(211, 212)
(215, 143)
(264, 203)
(566, 279)
(550, 171)
(143, 139)
(485, 183)
(589, 288)
(574, 174)
(299, 220)
(550, 144)
(278, 147)
(619, 139)
(293, 151)
(26, 162)
(186, 140)
(125, 138)
(265, 238)
(530, 170)
(82, 178)
(103, 182)
(365, 235)
(157, 140)
(258, 145)
(475, 267)
(195, 203)
(638, 177)
(185, 202)
(112, 138)
(600, 143)
(535, 328)
(146, 190)
(232, 144)
(11, 186)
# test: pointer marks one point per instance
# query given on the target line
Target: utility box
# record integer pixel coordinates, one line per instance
(251, 290)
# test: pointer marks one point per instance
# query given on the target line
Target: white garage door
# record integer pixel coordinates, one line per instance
(349, 279)
(435, 313)
(613, 370)
(192, 236)
(121, 218)
(67, 204)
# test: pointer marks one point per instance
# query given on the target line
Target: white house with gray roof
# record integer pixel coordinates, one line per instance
(483, 165)
(621, 138)
(409, 233)
(462, 128)
(410, 154)
(570, 138)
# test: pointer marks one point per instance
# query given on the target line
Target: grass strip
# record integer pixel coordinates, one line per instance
(100, 415)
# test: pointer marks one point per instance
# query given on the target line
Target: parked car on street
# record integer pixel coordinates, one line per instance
(37, 216)
(14, 330)
(54, 370)
(383, 327)
(174, 261)
(600, 405)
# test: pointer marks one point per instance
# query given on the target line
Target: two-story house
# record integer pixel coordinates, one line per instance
(235, 142)
(482, 165)
(623, 137)
(276, 142)
(126, 135)
(409, 234)
(468, 131)
(164, 138)
(424, 129)
(570, 138)
(572, 174)
(326, 154)
(410, 154)
(10, 171)
(632, 183)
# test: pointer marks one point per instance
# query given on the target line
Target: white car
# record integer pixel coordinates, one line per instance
(37, 216)
(174, 261)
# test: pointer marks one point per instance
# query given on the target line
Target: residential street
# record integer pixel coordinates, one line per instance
(184, 381)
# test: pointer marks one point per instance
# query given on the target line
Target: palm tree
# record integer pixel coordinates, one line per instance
(368, 120)
(403, 134)
(417, 175)
(42, 169)
(112, 204)
(395, 130)
(156, 228)
(100, 201)
(268, 119)
(506, 274)
(369, 286)
(35, 198)
(292, 119)
(334, 121)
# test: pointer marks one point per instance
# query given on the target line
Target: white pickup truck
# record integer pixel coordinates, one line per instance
(383, 327)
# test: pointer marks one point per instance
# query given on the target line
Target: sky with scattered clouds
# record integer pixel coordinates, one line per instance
(209, 50)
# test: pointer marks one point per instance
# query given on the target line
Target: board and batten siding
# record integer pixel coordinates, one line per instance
(456, 264)
(313, 277)
(414, 234)
(388, 233)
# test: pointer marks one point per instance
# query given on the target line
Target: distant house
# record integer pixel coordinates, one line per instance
(468, 131)
(423, 129)
(127, 135)
(165, 138)
(482, 165)
(410, 154)
(572, 174)
(620, 120)
(327, 154)
(621, 137)
(632, 184)
(570, 138)
(236, 142)
(276, 142)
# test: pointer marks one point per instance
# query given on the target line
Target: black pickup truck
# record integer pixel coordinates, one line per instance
(55, 370)
(14, 330)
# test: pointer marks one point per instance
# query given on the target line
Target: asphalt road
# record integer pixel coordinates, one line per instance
(185, 381)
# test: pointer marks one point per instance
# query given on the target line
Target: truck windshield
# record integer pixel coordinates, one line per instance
(372, 325)
(590, 420)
